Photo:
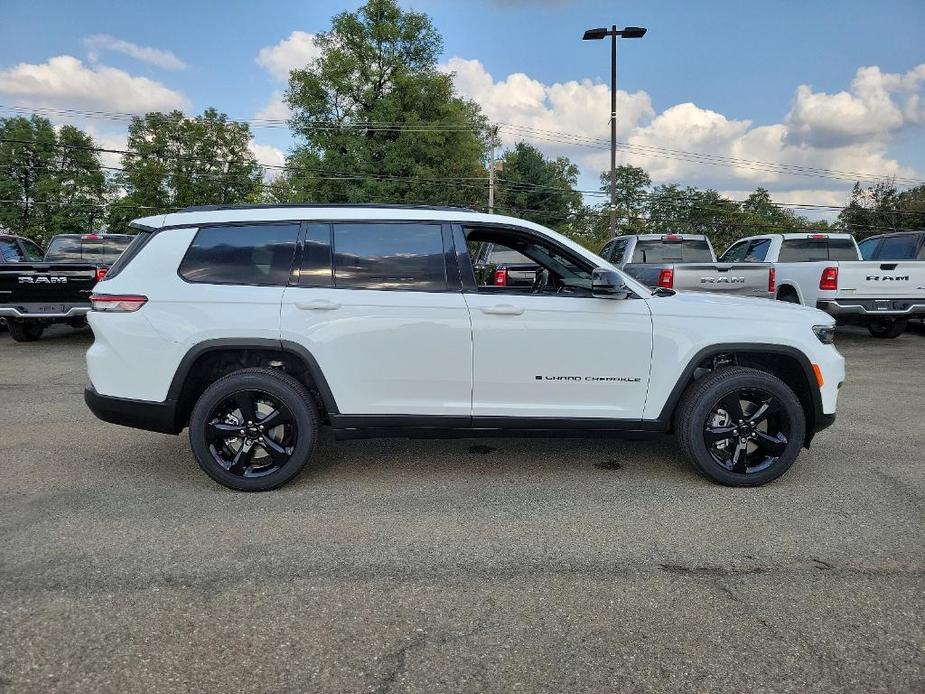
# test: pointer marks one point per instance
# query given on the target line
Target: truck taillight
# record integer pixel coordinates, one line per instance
(829, 279)
(117, 303)
(101, 273)
(666, 278)
(772, 281)
(501, 278)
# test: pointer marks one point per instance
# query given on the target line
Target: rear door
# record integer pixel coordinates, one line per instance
(376, 307)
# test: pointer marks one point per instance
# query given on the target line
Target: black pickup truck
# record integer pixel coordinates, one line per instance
(37, 290)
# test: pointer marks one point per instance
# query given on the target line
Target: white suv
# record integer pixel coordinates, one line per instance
(252, 326)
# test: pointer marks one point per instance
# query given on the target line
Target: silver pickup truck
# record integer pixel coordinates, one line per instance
(686, 262)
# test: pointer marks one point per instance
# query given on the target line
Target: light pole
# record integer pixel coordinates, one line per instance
(613, 33)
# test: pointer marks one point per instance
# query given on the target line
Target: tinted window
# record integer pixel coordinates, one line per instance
(607, 250)
(316, 270)
(757, 251)
(803, 250)
(867, 248)
(258, 254)
(380, 255)
(687, 251)
(735, 253)
(9, 251)
(616, 255)
(842, 249)
(33, 252)
(898, 247)
(104, 251)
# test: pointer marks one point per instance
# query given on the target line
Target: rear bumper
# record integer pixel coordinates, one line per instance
(138, 414)
(14, 312)
(895, 308)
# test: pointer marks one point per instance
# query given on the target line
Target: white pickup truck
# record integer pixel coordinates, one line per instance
(826, 271)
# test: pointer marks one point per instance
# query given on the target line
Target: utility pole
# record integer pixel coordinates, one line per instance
(493, 135)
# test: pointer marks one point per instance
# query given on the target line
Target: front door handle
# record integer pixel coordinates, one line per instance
(503, 310)
(317, 305)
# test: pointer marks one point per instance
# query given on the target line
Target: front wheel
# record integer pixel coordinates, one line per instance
(254, 429)
(887, 328)
(27, 331)
(740, 427)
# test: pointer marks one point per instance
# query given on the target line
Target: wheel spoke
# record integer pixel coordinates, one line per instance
(715, 435)
(279, 454)
(278, 416)
(221, 430)
(772, 444)
(740, 457)
(768, 408)
(242, 460)
(733, 406)
(245, 402)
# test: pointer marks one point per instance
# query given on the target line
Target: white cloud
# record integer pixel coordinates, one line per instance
(275, 109)
(100, 43)
(848, 132)
(296, 51)
(268, 154)
(65, 82)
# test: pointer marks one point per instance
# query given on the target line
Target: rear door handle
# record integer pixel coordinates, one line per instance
(503, 310)
(317, 305)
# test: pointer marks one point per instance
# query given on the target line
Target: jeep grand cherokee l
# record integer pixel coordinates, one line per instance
(253, 326)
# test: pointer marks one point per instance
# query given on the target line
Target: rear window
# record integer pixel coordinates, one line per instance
(9, 251)
(253, 254)
(898, 247)
(811, 250)
(383, 255)
(508, 256)
(73, 249)
(686, 251)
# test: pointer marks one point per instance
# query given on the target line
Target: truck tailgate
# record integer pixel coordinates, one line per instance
(46, 288)
(882, 278)
(742, 279)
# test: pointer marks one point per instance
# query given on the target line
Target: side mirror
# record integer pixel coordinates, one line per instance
(607, 284)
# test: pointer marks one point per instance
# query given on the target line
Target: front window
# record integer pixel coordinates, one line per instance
(33, 252)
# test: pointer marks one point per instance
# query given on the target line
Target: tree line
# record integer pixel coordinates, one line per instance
(374, 120)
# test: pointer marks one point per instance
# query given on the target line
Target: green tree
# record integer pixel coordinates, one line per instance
(882, 207)
(534, 187)
(174, 161)
(377, 119)
(51, 182)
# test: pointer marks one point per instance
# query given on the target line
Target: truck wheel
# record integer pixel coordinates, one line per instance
(886, 327)
(254, 429)
(740, 427)
(25, 332)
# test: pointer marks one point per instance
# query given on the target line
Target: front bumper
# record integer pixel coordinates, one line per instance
(895, 308)
(138, 414)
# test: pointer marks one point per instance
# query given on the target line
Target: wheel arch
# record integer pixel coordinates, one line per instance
(207, 361)
(787, 363)
(789, 286)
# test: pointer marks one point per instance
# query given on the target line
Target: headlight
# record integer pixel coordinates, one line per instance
(825, 333)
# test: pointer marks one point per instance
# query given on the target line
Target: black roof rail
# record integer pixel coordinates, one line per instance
(374, 205)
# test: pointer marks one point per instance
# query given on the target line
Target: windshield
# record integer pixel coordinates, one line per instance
(659, 251)
(74, 249)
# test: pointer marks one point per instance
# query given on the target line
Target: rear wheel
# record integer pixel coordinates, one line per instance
(886, 327)
(26, 331)
(740, 427)
(789, 295)
(254, 429)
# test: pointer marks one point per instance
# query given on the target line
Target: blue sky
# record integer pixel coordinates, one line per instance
(716, 77)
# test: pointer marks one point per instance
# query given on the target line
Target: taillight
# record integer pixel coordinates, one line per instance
(501, 278)
(829, 279)
(666, 278)
(117, 303)
(772, 281)
(101, 273)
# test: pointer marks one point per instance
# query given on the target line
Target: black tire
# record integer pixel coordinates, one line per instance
(261, 459)
(886, 328)
(789, 295)
(25, 331)
(770, 445)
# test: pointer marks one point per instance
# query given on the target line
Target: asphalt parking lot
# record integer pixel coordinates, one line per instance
(502, 565)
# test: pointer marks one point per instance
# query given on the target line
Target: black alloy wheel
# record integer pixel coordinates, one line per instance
(747, 431)
(254, 429)
(740, 426)
(886, 328)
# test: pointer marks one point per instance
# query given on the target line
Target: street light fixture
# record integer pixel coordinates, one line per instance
(613, 33)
